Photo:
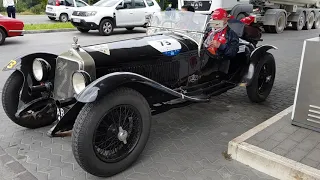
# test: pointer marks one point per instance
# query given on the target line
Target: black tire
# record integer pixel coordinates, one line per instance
(10, 102)
(52, 18)
(83, 30)
(309, 21)
(3, 36)
(301, 21)
(64, 17)
(316, 24)
(280, 24)
(106, 23)
(88, 121)
(129, 28)
(253, 89)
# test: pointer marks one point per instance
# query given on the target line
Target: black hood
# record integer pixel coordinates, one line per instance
(139, 49)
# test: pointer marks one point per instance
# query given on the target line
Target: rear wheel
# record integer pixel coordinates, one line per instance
(316, 24)
(2, 36)
(301, 21)
(106, 27)
(309, 21)
(280, 24)
(110, 133)
(64, 17)
(263, 79)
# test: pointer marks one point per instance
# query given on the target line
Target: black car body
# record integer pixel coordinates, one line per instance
(120, 84)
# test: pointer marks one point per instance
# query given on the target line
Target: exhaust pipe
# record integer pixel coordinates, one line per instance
(66, 102)
(39, 88)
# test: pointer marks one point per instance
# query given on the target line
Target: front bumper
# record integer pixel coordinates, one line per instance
(16, 32)
(84, 24)
(51, 14)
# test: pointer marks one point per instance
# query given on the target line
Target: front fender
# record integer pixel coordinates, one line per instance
(16, 63)
(109, 82)
(254, 60)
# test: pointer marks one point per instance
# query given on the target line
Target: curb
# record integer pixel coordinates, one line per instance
(268, 162)
(49, 31)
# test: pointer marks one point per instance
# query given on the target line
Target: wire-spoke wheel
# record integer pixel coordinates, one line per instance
(110, 133)
(263, 79)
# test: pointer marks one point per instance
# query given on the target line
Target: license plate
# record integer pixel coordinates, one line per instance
(76, 20)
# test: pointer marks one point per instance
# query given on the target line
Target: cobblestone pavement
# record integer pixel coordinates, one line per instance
(296, 143)
(186, 143)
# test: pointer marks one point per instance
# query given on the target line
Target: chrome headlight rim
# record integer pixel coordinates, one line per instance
(40, 69)
(80, 80)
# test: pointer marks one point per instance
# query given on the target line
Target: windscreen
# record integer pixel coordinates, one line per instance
(187, 23)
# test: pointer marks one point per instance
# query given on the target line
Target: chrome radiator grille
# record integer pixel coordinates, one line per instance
(63, 74)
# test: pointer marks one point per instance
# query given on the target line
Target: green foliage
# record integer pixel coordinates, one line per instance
(2, 9)
(37, 9)
(21, 6)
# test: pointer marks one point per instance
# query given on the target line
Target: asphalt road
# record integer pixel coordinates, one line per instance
(34, 19)
(185, 143)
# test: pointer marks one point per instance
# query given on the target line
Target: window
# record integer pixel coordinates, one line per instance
(150, 2)
(80, 4)
(69, 3)
(106, 3)
(139, 4)
(127, 4)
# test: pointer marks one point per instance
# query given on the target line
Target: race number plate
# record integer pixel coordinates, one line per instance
(76, 20)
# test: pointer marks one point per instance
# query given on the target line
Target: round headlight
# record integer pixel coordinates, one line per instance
(79, 81)
(37, 69)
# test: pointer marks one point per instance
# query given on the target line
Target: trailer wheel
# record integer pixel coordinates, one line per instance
(309, 21)
(280, 24)
(316, 24)
(301, 21)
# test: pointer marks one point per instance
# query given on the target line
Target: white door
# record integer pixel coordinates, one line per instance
(69, 7)
(139, 12)
(124, 15)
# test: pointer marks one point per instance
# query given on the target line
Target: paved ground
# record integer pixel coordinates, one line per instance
(33, 19)
(185, 143)
(299, 144)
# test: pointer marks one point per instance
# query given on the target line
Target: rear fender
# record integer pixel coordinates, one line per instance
(105, 84)
(254, 60)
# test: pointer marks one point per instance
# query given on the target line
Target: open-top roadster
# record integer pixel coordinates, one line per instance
(106, 93)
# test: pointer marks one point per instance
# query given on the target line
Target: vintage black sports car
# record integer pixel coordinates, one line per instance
(106, 93)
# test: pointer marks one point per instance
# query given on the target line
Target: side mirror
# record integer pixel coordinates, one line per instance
(120, 6)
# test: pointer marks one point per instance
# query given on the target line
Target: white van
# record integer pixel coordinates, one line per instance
(62, 9)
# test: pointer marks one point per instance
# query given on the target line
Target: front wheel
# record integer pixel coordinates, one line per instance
(106, 27)
(110, 134)
(2, 36)
(263, 79)
(10, 102)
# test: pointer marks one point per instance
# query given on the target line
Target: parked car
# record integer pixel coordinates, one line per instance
(63, 9)
(10, 27)
(108, 92)
(105, 15)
